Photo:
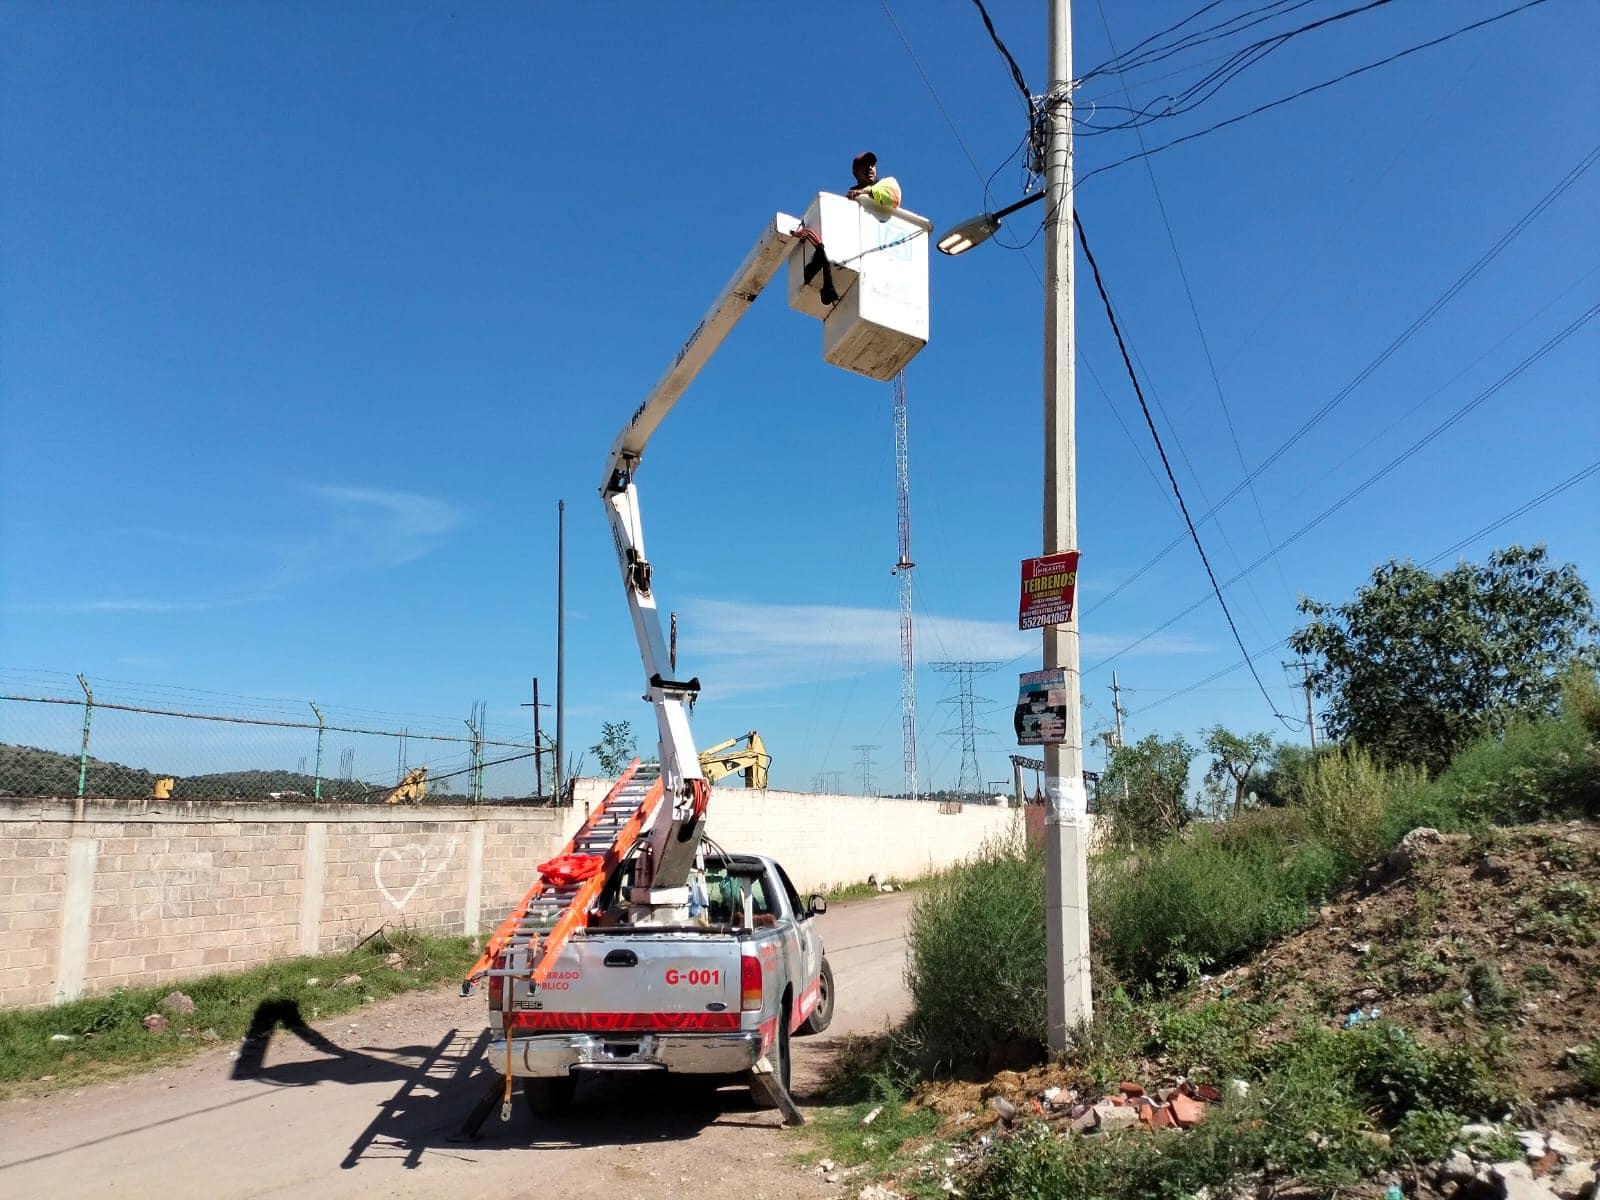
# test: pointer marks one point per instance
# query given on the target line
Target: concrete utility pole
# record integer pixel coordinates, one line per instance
(1066, 831)
(1305, 682)
(1116, 706)
(561, 648)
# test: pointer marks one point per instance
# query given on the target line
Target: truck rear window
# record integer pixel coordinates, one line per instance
(722, 898)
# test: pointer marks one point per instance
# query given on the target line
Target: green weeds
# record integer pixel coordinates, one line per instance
(104, 1035)
(975, 959)
(884, 1142)
(1329, 1107)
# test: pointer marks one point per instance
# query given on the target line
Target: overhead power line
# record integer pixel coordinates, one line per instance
(1383, 471)
(1303, 92)
(1016, 71)
(1383, 356)
(1498, 522)
(1234, 65)
(1116, 329)
(932, 91)
(1137, 55)
(1542, 498)
(1194, 311)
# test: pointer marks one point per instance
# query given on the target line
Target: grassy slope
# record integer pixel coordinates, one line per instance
(106, 1036)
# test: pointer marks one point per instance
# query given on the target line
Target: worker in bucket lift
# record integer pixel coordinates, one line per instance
(869, 189)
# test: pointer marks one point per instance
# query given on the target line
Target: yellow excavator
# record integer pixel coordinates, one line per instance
(413, 787)
(726, 758)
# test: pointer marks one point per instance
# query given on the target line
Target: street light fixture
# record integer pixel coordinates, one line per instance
(981, 228)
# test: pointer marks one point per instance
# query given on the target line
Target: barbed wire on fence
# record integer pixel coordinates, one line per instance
(120, 739)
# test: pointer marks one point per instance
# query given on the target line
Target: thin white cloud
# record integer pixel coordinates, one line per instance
(400, 514)
(134, 605)
(750, 647)
(363, 529)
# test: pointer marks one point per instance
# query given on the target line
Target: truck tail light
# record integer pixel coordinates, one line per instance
(750, 989)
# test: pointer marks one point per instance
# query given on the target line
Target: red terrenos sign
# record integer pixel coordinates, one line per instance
(1048, 587)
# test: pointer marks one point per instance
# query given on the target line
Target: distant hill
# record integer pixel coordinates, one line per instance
(30, 771)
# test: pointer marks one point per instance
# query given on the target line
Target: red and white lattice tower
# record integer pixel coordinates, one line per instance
(902, 568)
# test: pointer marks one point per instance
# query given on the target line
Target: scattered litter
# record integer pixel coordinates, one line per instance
(313, 980)
(1394, 1193)
(872, 1116)
(1532, 1143)
(61, 1037)
(1003, 1108)
(1362, 1015)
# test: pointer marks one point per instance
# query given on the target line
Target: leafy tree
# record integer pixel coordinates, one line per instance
(616, 748)
(1233, 758)
(1281, 781)
(1142, 789)
(1418, 664)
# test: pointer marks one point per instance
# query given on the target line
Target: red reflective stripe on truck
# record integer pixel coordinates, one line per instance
(602, 1022)
(808, 1001)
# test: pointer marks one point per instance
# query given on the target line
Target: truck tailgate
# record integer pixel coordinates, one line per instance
(650, 981)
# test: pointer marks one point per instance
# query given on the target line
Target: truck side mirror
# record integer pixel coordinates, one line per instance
(817, 905)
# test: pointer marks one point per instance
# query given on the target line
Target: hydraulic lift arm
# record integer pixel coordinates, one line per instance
(675, 836)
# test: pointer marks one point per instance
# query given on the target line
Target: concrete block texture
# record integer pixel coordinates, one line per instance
(130, 897)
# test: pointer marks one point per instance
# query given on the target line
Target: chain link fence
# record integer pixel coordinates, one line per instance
(68, 736)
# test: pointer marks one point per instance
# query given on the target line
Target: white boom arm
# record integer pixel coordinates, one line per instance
(674, 838)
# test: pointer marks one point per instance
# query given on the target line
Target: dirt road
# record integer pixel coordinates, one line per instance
(365, 1105)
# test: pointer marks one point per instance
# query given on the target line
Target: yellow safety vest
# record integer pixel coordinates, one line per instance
(885, 193)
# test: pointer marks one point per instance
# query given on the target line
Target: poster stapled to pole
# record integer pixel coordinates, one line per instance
(1041, 712)
(1049, 586)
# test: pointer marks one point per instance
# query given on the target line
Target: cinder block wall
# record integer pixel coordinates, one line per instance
(143, 892)
(131, 896)
(824, 840)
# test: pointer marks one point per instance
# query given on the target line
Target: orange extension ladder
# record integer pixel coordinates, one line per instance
(547, 916)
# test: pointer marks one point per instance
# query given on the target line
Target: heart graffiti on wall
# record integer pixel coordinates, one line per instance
(402, 871)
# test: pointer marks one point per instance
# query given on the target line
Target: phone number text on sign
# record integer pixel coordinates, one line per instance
(1049, 586)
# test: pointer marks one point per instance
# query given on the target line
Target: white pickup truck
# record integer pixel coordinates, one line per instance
(714, 996)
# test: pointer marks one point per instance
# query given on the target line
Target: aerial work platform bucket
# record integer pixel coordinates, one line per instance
(878, 260)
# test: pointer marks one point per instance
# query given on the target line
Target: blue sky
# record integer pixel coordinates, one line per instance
(309, 314)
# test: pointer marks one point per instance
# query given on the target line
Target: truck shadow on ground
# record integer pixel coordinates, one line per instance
(438, 1086)
(636, 1110)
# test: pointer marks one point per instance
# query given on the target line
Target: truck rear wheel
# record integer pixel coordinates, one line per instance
(549, 1097)
(822, 1015)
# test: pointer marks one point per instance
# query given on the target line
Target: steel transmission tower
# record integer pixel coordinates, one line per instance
(902, 568)
(966, 709)
(864, 765)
